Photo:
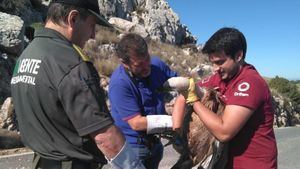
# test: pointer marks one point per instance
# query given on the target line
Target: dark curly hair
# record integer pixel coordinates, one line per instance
(229, 40)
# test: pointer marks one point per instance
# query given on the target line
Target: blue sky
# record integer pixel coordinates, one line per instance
(271, 27)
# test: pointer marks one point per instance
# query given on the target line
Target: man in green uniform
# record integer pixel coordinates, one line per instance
(60, 107)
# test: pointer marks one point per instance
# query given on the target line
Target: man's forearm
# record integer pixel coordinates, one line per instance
(109, 140)
(178, 112)
(113, 145)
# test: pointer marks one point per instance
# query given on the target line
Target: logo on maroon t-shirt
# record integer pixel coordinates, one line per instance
(242, 88)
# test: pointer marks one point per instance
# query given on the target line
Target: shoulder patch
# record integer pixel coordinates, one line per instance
(244, 86)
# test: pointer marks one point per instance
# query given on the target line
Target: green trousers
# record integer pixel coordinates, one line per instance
(42, 163)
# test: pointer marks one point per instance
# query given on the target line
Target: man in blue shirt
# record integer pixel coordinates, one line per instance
(136, 99)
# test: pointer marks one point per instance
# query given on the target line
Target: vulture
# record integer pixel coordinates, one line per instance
(195, 144)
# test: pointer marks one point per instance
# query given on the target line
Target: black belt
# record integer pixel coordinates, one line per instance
(44, 163)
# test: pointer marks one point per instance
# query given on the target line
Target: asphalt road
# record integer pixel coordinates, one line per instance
(288, 142)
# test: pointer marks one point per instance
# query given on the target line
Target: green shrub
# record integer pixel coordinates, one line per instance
(37, 25)
(286, 88)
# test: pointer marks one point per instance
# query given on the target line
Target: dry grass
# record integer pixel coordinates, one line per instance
(180, 61)
(106, 35)
(106, 67)
(105, 61)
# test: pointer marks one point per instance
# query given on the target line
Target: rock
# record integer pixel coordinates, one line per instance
(7, 108)
(11, 33)
(117, 8)
(10, 139)
(164, 25)
(286, 113)
(108, 49)
(127, 26)
(155, 16)
(29, 10)
(187, 51)
(8, 117)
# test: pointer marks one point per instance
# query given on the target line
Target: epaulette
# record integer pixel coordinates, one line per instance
(81, 53)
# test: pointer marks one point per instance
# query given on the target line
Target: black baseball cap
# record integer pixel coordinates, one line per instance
(91, 5)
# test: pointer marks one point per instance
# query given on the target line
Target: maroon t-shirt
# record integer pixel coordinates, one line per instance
(254, 146)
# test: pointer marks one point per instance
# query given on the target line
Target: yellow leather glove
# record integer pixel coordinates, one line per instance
(190, 95)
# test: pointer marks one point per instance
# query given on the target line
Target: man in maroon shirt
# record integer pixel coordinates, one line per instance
(247, 121)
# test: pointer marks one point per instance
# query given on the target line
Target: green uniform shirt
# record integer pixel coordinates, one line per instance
(58, 99)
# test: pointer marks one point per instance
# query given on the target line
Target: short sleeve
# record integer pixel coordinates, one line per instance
(124, 99)
(248, 92)
(84, 100)
(209, 81)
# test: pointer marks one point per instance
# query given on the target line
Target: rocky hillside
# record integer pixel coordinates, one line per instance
(286, 96)
(153, 19)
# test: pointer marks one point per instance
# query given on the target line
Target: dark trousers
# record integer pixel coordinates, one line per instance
(43, 163)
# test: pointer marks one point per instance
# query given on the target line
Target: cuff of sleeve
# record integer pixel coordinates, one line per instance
(126, 159)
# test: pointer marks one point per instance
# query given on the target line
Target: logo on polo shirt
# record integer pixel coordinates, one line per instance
(243, 87)
(25, 71)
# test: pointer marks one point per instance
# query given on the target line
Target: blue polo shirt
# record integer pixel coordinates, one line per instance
(129, 97)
